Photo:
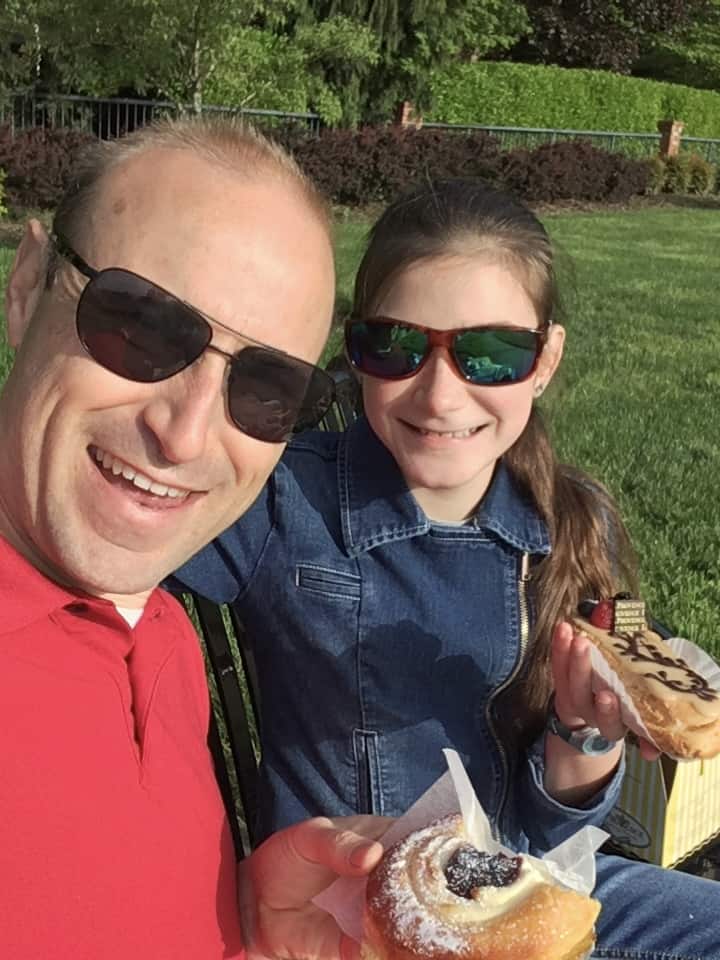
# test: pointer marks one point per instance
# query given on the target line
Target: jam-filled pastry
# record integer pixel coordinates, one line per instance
(434, 896)
(678, 706)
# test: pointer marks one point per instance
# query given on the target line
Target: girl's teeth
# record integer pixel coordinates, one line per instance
(117, 467)
(455, 434)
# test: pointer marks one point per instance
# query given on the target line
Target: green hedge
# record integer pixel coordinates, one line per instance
(520, 95)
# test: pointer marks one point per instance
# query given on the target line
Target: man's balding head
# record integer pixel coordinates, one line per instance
(225, 222)
(229, 145)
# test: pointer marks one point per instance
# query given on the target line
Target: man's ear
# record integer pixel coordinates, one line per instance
(26, 281)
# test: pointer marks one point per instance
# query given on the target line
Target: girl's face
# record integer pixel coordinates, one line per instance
(446, 434)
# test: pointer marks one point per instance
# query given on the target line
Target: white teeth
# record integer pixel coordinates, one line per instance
(455, 434)
(117, 467)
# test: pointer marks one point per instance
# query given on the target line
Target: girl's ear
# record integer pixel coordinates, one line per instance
(26, 281)
(550, 358)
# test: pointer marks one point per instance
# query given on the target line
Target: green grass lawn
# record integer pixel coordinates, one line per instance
(637, 400)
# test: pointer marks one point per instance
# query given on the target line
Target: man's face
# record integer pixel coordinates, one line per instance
(81, 444)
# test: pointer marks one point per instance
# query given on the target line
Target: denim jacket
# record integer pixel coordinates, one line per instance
(381, 637)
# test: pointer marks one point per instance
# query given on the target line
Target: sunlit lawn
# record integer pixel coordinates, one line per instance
(639, 398)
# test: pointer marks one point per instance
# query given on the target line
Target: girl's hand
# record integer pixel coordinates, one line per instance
(575, 703)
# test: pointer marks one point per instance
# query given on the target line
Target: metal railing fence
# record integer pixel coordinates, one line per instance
(631, 144)
(109, 118)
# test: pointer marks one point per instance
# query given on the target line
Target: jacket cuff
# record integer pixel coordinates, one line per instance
(600, 803)
(549, 821)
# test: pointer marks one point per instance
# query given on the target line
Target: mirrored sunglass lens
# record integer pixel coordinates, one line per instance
(272, 396)
(386, 350)
(496, 356)
(136, 330)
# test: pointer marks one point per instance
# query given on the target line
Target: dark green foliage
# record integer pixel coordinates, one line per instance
(701, 175)
(413, 38)
(516, 94)
(656, 174)
(688, 173)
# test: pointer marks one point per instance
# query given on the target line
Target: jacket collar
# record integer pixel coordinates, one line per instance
(377, 507)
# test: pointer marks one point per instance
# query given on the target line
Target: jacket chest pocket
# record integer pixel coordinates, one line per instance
(326, 582)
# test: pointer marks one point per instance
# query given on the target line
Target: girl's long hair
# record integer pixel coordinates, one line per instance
(591, 553)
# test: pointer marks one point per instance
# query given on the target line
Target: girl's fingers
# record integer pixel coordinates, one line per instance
(647, 750)
(607, 716)
(579, 683)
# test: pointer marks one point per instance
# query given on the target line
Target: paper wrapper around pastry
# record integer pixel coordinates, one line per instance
(605, 678)
(572, 863)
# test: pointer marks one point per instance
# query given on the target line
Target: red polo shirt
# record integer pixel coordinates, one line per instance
(113, 839)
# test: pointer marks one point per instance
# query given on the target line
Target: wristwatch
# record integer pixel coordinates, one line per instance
(587, 740)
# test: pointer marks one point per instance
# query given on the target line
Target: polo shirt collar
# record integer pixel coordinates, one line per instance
(377, 507)
(27, 595)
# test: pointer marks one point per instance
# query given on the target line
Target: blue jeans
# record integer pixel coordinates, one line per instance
(654, 914)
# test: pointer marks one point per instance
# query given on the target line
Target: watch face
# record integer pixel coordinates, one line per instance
(596, 744)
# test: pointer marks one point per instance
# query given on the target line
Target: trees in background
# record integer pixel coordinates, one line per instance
(601, 34)
(348, 60)
(690, 56)
(413, 38)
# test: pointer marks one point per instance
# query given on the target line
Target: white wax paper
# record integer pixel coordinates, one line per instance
(572, 863)
(605, 678)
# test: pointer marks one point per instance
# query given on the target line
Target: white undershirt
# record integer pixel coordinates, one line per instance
(130, 614)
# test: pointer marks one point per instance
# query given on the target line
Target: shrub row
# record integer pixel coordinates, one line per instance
(38, 164)
(685, 173)
(377, 163)
(372, 165)
(523, 95)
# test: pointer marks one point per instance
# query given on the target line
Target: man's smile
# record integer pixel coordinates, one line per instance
(115, 467)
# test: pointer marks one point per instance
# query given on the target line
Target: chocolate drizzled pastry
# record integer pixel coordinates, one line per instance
(678, 705)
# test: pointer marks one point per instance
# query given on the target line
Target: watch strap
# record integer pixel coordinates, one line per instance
(587, 740)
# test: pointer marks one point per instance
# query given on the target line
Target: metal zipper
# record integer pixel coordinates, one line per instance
(523, 581)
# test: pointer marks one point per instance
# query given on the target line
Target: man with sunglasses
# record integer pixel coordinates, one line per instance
(166, 335)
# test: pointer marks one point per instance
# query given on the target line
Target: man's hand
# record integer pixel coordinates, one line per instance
(575, 703)
(277, 883)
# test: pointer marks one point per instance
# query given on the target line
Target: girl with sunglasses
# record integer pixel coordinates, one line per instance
(406, 582)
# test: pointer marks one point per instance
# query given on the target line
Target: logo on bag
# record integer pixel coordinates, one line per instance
(626, 829)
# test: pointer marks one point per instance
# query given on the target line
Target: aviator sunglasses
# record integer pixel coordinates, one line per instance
(137, 330)
(485, 356)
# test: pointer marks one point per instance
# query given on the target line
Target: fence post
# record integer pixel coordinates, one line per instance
(405, 115)
(670, 136)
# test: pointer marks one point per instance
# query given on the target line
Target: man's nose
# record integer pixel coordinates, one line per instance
(184, 410)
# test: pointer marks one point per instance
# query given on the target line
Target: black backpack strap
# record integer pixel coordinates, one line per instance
(223, 778)
(236, 722)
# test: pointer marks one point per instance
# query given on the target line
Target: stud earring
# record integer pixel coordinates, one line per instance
(539, 388)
